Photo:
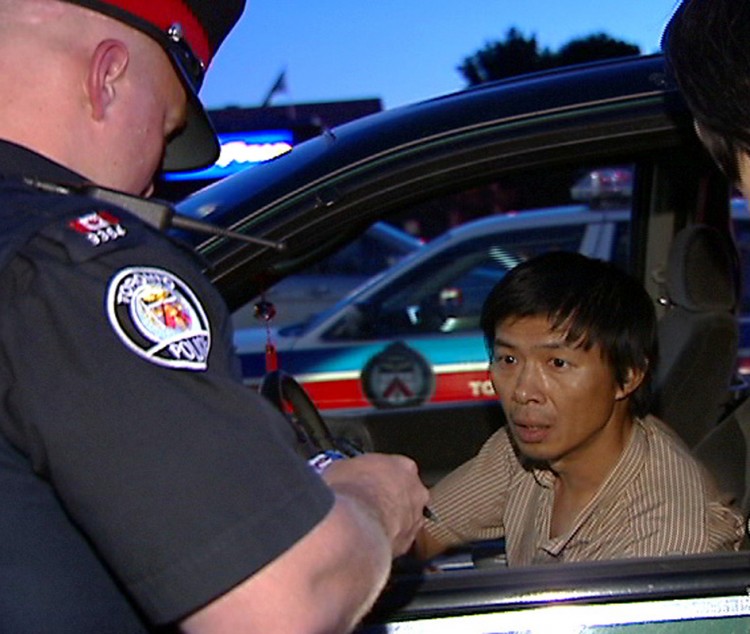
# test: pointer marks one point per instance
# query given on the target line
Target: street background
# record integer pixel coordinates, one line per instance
(399, 51)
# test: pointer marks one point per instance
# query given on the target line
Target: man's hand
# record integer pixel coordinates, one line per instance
(389, 487)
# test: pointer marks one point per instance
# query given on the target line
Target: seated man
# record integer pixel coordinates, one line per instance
(580, 471)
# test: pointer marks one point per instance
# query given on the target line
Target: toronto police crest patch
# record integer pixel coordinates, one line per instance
(157, 316)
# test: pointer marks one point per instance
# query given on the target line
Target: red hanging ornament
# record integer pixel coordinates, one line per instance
(266, 311)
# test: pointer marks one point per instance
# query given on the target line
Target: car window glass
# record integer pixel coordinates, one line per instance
(741, 222)
(621, 243)
(392, 319)
(445, 293)
(741, 227)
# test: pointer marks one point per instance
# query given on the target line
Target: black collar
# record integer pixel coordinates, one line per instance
(34, 169)
(16, 160)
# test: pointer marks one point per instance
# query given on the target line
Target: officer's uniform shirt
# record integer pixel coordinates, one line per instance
(119, 387)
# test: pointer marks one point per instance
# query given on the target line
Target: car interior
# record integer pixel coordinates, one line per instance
(697, 288)
(696, 285)
(698, 333)
(696, 382)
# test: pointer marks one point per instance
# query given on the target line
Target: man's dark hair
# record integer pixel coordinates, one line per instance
(596, 302)
(706, 44)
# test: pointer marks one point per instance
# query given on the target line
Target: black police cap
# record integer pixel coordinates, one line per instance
(190, 31)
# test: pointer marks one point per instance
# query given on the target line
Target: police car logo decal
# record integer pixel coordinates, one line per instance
(397, 377)
(157, 316)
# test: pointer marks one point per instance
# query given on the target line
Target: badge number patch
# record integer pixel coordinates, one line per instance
(99, 227)
(157, 316)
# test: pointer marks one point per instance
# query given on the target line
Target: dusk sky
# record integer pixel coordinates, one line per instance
(399, 51)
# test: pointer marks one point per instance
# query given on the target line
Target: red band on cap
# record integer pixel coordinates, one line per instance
(163, 14)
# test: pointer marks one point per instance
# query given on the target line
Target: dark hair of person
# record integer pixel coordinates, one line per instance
(597, 303)
(706, 48)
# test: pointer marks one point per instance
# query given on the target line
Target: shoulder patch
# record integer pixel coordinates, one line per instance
(93, 232)
(157, 316)
(98, 227)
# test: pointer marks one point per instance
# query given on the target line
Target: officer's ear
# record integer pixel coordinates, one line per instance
(107, 65)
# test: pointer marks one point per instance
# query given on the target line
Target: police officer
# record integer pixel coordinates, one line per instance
(141, 484)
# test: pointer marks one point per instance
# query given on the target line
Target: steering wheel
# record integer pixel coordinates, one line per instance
(312, 431)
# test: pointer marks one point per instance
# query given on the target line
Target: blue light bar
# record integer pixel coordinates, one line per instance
(240, 150)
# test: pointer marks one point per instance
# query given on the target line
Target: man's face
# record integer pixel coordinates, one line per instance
(561, 401)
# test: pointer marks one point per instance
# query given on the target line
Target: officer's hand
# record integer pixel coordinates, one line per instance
(390, 486)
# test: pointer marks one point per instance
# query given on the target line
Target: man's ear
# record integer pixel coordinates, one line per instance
(632, 382)
(107, 65)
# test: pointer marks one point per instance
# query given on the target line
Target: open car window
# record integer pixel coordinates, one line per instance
(393, 302)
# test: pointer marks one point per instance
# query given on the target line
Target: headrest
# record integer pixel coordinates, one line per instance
(701, 270)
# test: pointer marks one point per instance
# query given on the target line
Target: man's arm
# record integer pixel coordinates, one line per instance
(426, 546)
(329, 579)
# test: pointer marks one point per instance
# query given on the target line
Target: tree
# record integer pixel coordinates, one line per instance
(518, 54)
(592, 48)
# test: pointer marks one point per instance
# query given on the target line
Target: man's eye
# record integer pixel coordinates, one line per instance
(505, 359)
(559, 363)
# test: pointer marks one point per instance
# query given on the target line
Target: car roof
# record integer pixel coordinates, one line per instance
(515, 220)
(330, 187)
(515, 98)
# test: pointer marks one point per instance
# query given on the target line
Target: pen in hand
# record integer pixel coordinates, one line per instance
(320, 461)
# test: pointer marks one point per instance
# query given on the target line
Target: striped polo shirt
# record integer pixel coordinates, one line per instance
(657, 500)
